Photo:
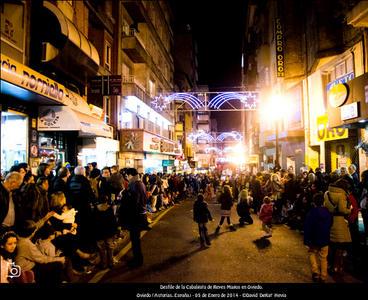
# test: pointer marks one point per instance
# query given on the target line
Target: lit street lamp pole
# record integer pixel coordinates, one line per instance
(277, 161)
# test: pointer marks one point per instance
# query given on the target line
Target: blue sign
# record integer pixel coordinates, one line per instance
(343, 79)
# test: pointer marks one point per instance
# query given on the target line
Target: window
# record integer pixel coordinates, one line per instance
(14, 139)
(108, 55)
(151, 88)
(107, 109)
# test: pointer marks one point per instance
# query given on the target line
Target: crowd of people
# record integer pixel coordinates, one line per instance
(324, 207)
(66, 220)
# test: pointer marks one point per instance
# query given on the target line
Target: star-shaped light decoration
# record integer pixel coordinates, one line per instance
(161, 102)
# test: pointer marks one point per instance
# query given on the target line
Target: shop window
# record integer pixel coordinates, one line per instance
(14, 139)
(107, 55)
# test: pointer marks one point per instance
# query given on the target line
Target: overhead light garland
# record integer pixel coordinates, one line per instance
(249, 100)
(235, 135)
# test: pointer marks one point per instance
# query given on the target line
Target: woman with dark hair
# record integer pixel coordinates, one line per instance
(47, 269)
(60, 183)
(43, 170)
(8, 244)
(226, 200)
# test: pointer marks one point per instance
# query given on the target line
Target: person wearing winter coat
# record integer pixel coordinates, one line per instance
(202, 215)
(317, 227)
(82, 198)
(133, 214)
(105, 231)
(336, 201)
(243, 207)
(226, 201)
(265, 215)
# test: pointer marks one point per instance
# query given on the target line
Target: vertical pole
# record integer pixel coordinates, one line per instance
(277, 161)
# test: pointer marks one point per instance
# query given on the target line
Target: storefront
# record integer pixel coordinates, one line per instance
(41, 119)
(348, 109)
(89, 137)
(146, 152)
(101, 150)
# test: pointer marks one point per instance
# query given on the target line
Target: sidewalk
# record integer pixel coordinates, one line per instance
(121, 249)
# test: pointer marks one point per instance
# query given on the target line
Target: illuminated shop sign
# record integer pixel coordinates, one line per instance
(324, 133)
(27, 78)
(280, 59)
(338, 95)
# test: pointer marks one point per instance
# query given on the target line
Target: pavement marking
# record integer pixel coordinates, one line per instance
(98, 276)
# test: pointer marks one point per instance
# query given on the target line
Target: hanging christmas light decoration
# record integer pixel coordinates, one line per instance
(249, 99)
(162, 102)
(233, 134)
(200, 135)
(212, 149)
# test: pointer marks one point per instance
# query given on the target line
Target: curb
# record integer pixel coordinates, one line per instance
(100, 274)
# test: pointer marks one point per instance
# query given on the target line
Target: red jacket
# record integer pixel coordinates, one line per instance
(355, 210)
(265, 215)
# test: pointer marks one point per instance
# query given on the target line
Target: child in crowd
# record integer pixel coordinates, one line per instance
(265, 215)
(165, 200)
(44, 243)
(201, 215)
(317, 237)
(243, 207)
(8, 244)
(47, 269)
(67, 217)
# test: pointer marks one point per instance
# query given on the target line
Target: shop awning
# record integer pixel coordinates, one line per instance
(63, 118)
(74, 43)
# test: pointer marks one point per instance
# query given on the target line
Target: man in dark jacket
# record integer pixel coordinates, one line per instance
(132, 214)
(11, 183)
(83, 199)
(201, 215)
(317, 227)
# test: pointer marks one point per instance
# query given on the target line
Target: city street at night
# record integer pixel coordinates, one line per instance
(172, 253)
(184, 148)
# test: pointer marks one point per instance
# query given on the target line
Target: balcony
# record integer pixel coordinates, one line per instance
(134, 46)
(135, 10)
(133, 88)
(358, 16)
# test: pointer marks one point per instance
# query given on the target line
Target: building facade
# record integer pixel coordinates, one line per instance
(304, 51)
(45, 110)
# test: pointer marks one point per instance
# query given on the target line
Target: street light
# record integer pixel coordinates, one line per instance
(276, 110)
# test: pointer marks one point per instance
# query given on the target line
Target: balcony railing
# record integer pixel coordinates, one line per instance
(131, 32)
(132, 88)
(133, 45)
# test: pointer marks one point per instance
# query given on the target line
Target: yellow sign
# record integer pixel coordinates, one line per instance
(337, 95)
(324, 133)
(253, 159)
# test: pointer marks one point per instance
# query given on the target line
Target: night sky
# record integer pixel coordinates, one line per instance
(217, 27)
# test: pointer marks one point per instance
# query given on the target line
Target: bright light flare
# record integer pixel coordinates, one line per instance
(278, 107)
